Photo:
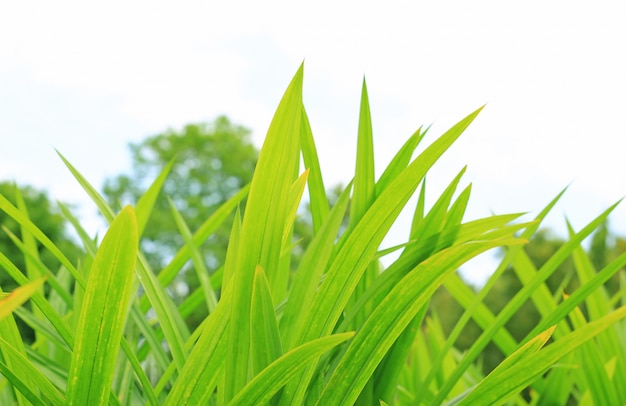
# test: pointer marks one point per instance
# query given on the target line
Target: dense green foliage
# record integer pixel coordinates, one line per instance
(337, 327)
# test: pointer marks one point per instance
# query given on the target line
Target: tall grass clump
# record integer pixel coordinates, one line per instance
(340, 329)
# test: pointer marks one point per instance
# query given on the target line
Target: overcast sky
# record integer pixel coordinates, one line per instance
(88, 78)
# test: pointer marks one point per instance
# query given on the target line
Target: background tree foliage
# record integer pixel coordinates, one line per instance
(212, 161)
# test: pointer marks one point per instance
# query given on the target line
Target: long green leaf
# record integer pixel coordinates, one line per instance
(103, 314)
(265, 339)
(499, 386)
(263, 225)
(317, 193)
(361, 246)
(310, 271)
(198, 262)
(20, 295)
(391, 317)
(24, 367)
(516, 302)
(275, 376)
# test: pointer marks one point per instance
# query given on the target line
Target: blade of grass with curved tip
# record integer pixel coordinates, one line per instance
(103, 313)
(516, 302)
(317, 192)
(499, 385)
(263, 226)
(261, 389)
(579, 295)
(473, 308)
(391, 317)
(18, 296)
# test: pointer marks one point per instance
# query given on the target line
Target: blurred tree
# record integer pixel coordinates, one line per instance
(211, 163)
(47, 217)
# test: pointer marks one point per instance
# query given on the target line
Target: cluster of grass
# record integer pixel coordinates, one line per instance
(341, 329)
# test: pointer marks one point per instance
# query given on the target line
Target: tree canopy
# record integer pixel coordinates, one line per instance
(212, 161)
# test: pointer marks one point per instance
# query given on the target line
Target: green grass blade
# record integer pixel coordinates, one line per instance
(474, 230)
(30, 244)
(38, 299)
(399, 161)
(263, 225)
(391, 317)
(477, 303)
(362, 244)
(388, 372)
(317, 192)
(275, 376)
(103, 314)
(198, 378)
(591, 359)
(21, 366)
(96, 197)
(196, 257)
(499, 386)
(88, 243)
(455, 215)
(174, 329)
(25, 222)
(144, 206)
(203, 232)
(265, 339)
(310, 271)
(364, 182)
(20, 386)
(19, 296)
(516, 302)
(10, 333)
(38, 268)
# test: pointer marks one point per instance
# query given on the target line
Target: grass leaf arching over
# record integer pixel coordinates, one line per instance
(341, 325)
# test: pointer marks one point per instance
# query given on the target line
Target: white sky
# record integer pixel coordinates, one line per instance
(88, 79)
